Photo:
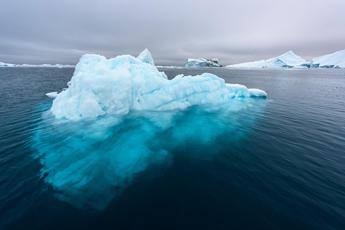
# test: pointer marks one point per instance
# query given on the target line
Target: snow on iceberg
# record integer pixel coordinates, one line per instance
(286, 60)
(116, 86)
(202, 62)
(333, 60)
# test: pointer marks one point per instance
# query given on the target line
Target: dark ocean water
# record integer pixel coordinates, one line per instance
(275, 164)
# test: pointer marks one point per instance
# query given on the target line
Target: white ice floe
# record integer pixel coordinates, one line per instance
(202, 62)
(116, 86)
(286, 60)
(333, 60)
(52, 94)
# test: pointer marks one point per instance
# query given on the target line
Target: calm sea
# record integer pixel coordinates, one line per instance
(274, 164)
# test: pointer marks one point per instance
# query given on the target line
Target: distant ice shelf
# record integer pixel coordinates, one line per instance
(3, 64)
(116, 86)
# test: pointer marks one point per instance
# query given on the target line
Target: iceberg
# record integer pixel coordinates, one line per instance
(146, 56)
(116, 86)
(121, 116)
(333, 60)
(286, 60)
(202, 62)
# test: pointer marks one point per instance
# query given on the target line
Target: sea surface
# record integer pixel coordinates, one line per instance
(263, 164)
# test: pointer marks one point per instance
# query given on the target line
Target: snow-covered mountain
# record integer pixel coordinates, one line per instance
(333, 60)
(286, 60)
(202, 62)
(3, 64)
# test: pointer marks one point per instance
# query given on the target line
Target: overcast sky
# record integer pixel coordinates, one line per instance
(59, 31)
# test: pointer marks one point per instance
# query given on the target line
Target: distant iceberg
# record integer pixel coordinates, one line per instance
(116, 86)
(286, 60)
(333, 60)
(202, 62)
(3, 64)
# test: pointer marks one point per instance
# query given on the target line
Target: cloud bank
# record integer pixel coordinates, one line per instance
(39, 31)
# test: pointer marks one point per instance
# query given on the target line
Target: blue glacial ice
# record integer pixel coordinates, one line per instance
(136, 120)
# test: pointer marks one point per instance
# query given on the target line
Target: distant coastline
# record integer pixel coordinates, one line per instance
(288, 60)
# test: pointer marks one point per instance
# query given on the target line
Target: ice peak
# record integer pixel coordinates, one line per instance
(289, 53)
(146, 56)
(291, 59)
(116, 86)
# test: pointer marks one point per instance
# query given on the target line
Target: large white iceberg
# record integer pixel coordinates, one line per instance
(333, 60)
(286, 60)
(116, 86)
(102, 156)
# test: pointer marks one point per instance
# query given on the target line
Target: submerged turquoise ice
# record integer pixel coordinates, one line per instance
(89, 163)
(121, 116)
